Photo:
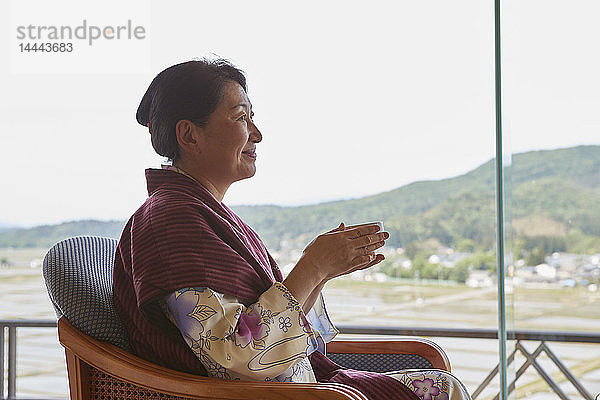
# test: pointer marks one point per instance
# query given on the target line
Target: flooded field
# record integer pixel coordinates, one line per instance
(388, 304)
(41, 369)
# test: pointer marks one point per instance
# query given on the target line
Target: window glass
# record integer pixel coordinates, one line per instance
(550, 103)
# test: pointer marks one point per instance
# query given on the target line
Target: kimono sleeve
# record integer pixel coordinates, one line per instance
(258, 342)
(320, 321)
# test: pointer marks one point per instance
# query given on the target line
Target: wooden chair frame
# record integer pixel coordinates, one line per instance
(83, 353)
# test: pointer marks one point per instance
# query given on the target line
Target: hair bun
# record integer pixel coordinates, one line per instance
(143, 112)
(190, 90)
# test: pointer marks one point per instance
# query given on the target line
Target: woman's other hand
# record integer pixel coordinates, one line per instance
(337, 252)
(343, 250)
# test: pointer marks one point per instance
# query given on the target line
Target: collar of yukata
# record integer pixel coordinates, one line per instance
(238, 231)
(170, 167)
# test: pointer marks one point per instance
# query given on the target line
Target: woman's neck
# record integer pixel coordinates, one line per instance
(217, 193)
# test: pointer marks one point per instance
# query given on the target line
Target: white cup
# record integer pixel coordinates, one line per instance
(378, 223)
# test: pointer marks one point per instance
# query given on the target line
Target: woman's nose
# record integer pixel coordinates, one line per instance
(255, 135)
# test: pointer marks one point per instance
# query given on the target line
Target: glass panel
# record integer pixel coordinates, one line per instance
(551, 115)
(373, 111)
(504, 232)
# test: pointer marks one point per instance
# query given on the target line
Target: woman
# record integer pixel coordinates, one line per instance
(195, 286)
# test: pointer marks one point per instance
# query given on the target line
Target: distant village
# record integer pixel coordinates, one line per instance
(559, 269)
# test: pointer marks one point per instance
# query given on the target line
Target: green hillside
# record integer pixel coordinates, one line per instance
(45, 236)
(562, 186)
(555, 205)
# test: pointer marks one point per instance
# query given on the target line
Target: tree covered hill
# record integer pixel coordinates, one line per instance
(44, 236)
(555, 204)
(559, 187)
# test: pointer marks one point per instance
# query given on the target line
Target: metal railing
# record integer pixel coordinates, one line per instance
(11, 358)
(519, 335)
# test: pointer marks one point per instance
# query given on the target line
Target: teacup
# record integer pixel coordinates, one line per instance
(378, 223)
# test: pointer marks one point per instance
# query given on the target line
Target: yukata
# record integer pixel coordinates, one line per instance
(182, 244)
(229, 340)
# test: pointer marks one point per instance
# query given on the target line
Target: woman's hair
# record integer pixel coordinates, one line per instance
(190, 90)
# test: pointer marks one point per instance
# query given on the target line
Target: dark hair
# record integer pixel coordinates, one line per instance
(190, 90)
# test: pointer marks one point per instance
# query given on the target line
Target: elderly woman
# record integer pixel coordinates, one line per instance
(195, 286)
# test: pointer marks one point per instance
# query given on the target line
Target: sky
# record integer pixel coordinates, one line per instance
(352, 98)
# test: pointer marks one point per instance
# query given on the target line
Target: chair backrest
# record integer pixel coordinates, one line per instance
(78, 272)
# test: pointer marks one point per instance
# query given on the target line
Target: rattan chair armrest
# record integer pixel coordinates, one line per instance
(423, 347)
(129, 368)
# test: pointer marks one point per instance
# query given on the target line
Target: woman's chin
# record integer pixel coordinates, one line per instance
(247, 174)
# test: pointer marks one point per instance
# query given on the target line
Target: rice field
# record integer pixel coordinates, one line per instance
(41, 371)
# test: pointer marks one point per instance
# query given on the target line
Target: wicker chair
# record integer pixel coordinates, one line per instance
(100, 364)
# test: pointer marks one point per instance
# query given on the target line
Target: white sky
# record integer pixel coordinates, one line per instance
(353, 98)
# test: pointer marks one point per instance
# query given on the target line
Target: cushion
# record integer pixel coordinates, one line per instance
(78, 272)
(380, 362)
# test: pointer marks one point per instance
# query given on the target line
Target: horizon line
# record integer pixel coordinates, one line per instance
(9, 225)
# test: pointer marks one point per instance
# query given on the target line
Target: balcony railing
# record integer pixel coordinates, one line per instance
(11, 358)
(543, 337)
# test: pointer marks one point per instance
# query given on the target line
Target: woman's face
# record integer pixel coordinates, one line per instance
(229, 138)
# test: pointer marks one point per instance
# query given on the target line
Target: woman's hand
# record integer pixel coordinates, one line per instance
(342, 251)
(331, 254)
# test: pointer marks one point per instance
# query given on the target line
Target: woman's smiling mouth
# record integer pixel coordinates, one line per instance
(250, 153)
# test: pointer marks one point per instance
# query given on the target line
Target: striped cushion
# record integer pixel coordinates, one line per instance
(380, 362)
(78, 275)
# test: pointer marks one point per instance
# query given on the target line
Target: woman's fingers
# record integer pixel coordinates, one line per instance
(341, 227)
(372, 247)
(343, 250)
(366, 245)
(355, 233)
(368, 240)
(367, 250)
(361, 261)
(366, 261)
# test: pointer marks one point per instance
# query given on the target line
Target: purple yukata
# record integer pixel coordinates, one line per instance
(198, 292)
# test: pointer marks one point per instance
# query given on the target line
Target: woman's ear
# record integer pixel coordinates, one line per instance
(188, 135)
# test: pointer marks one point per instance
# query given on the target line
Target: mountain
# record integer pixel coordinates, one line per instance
(45, 236)
(4, 226)
(555, 203)
(559, 187)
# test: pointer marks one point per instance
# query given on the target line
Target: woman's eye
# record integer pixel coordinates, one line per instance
(242, 117)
